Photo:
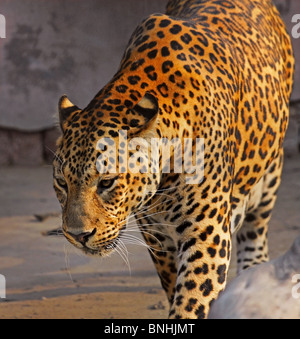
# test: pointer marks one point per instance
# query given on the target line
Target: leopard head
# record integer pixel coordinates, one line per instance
(101, 173)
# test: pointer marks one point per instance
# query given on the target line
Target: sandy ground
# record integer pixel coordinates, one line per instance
(48, 278)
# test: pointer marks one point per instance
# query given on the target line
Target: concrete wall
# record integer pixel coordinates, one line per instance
(73, 47)
(55, 47)
(61, 46)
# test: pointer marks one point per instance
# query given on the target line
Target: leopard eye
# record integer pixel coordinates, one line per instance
(105, 184)
(62, 183)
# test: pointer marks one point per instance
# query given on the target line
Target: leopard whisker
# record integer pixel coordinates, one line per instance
(67, 262)
(144, 208)
(151, 215)
(133, 216)
(135, 228)
(137, 241)
(55, 154)
(148, 208)
(141, 230)
(121, 249)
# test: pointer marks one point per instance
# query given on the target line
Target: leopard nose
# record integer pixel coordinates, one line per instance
(83, 237)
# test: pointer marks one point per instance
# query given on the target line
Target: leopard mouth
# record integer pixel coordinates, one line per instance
(102, 251)
(100, 248)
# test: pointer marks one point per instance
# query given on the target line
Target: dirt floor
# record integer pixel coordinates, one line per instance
(48, 278)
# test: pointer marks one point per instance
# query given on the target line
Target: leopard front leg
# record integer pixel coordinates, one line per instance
(163, 252)
(204, 257)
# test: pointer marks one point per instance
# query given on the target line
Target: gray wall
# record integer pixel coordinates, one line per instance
(61, 46)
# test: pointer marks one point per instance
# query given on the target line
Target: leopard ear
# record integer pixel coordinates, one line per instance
(147, 107)
(65, 109)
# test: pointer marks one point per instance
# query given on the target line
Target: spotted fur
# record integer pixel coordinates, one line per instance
(215, 69)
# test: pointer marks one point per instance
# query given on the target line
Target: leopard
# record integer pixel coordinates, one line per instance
(215, 70)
